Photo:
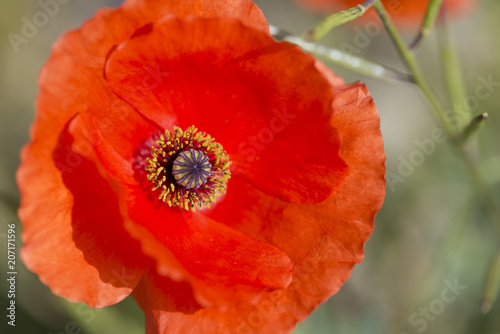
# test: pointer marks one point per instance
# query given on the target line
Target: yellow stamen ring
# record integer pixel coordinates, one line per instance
(188, 169)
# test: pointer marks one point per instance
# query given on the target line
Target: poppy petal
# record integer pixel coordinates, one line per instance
(263, 278)
(160, 298)
(169, 307)
(118, 168)
(73, 243)
(272, 147)
(324, 253)
(47, 206)
(244, 10)
(115, 117)
(74, 258)
(224, 266)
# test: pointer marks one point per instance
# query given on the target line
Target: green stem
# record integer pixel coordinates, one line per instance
(439, 111)
(414, 68)
(476, 123)
(453, 74)
(430, 18)
(351, 62)
(335, 20)
(492, 284)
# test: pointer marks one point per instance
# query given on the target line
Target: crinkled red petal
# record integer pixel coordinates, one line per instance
(73, 234)
(67, 225)
(224, 266)
(324, 240)
(244, 10)
(264, 101)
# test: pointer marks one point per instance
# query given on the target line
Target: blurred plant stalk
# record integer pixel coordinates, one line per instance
(458, 135)
(492, 285)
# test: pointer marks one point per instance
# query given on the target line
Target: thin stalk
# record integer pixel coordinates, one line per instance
(492, 286)
(430, 18)
(414, 68)
(321, 29)
(439, 111)
(476, 123)
(453, 74)
(348, 61)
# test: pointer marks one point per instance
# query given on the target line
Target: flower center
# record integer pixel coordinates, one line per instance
(191, 169)
(188, 168)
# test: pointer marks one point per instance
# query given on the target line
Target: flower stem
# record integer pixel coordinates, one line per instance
(430, 18)
(492, 284)
(321, 29)
(414, 68)
(348, 61)
(439, 111)
(476, 123)
(453, 73)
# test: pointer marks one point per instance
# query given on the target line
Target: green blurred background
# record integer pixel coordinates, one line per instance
(431, 232)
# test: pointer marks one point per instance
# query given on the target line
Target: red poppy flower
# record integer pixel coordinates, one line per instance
(405, 13)
(180, 154)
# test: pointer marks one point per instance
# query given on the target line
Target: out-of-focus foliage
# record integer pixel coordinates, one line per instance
(432, 232)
